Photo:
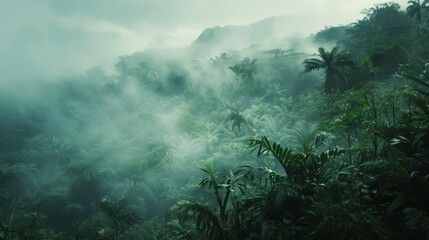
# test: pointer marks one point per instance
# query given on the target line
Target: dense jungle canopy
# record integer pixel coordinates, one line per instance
(240, 135)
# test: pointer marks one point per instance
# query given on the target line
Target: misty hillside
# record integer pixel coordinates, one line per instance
(272, 31)
(250, 132)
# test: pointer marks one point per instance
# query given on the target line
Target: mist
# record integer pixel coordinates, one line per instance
(110, 110)
(55, 38)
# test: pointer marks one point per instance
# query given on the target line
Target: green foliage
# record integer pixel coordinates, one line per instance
(120, 219)
(416, 9)
(31, 228)
(235, 117)
(387, 59)
(417, 76)
(245, 70)
(332, 62)
(207, 223)
(331, 35)
(384, 25)
(350, 162)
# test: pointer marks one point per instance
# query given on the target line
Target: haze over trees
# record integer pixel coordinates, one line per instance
(318, 137)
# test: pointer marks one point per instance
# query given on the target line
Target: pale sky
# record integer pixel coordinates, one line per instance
(59, 37)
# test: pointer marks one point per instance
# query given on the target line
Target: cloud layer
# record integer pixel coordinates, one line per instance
(53, 38)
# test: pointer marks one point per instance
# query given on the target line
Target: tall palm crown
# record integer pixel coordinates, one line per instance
(415, 9)
(331, 62)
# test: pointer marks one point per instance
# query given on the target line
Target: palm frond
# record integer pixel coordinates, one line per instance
(313, 64)
(416, 71)
(261, 176)
(332, 55)
(236, 118)
(210, 168)
(324, 54)
(343, 60)
(206, 221)
(330, 154)
(282, 155)
(322, 139)
(303, 136)
(282, 190)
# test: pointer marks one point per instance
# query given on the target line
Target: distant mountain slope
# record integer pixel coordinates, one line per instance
(267, 32)
(273, 32)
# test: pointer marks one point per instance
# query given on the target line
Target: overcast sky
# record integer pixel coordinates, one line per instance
(60, 37)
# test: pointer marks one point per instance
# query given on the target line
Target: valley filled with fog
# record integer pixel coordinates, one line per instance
(272, 125)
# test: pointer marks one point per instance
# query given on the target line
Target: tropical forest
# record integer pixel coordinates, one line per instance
(241, 135)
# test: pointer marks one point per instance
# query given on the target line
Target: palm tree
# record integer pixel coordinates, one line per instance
(415, 9)
(245, 70)
(236, 118)
(208, 133)
(274, 92)
(212, 223)
(331, 62)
